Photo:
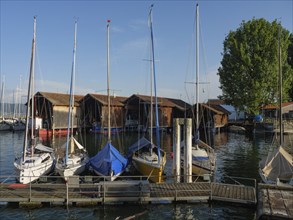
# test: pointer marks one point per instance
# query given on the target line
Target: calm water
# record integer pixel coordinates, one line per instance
(237, 155)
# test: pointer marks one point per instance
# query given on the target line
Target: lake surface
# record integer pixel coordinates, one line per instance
(238, 155)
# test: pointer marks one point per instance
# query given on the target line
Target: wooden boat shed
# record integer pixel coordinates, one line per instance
(272, 111)
(94, 110)
(137, 111)
(52, 109)
(211, 116)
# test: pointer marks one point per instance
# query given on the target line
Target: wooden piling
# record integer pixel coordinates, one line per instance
(188, 151)
(176, 150)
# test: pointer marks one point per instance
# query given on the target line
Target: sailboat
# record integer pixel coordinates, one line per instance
(108, 162)
(36, 159)
(203, 156)
(277, 167)
(74, 162)
(4, 124)
(148, 159)
(18, 124)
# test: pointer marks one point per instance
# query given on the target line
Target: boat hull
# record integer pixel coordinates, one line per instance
(29, 172)
(200, 170)
(47, 133)
(71, 169)
(153, 171)
(100, 130)
(4, 127)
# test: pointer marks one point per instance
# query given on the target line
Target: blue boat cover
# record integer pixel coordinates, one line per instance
(108, 159)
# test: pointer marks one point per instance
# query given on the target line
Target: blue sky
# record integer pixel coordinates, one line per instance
(173, 23)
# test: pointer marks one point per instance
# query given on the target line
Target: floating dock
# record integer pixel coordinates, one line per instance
(275, 202)
(271, 201)
(124, 191)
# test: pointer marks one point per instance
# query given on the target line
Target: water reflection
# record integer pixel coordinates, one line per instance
(237, 155)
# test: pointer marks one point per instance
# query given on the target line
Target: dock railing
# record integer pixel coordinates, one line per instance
(96, 189)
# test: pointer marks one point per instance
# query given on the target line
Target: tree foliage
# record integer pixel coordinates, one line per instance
(290, 62)
(249, 67)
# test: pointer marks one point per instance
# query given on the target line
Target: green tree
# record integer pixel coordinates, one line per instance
(249, 68)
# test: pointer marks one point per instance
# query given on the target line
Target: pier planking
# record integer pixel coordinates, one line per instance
(127, 191)
(275, 202)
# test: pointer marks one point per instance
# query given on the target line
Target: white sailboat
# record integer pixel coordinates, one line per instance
(203, 156)
(148, 159)
(18, 124)
(108, 162)
(36, 159)
(75, 160)
(5, 125)
(277, 167)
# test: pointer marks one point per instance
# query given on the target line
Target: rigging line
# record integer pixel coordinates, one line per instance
(205, 60)
(39, 66)
(188, 69)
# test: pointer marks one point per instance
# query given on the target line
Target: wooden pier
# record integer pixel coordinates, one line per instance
(275, 202)
(124, 191)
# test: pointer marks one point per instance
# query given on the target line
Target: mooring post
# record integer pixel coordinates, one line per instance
(176, 150)
(188, 152)
(67, 196)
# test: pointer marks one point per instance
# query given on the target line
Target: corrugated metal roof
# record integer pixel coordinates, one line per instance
(60, 99)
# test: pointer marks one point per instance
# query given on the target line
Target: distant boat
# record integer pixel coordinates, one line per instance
(237, 129)
(36, 159)
(148, 159)
(203, 156)
(75, 160)
(17, 123)
(277, 167)
(108, 162)
(4, 124)
(104, 130)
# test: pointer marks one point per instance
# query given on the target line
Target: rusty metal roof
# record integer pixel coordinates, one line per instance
(60, 99)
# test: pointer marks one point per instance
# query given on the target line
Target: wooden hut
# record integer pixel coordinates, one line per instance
(94, 112)
(271, 111)
(211, 116)
(51, 111)
(138, 109)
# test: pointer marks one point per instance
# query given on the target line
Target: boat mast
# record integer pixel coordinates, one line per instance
(108, 81)
(280, 87)
(2, 99)
(197, 76)
(155, 86)
(71, 101)
(29, 109)
(19, 98)
(151, 86)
